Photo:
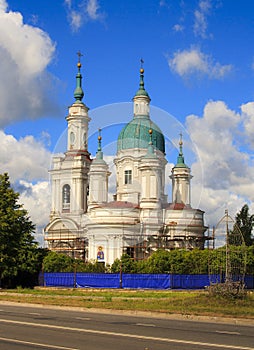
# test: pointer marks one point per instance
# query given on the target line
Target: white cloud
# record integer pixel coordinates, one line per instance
(193, 61)
(27, 162)
(93, 9)
(75, 19)
(248, 120)
(26, 158)
(80, 14)
(3, 5)
(25, 53)
(227, 170)
(178, 28)
(200, 18)
(36, 199)
(68, 2)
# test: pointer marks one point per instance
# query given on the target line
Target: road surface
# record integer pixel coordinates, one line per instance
(27, 327)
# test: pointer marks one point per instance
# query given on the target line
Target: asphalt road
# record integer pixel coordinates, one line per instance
(26, 327)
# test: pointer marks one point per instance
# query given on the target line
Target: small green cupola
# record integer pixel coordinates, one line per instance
(136, 133)
(79, 93)
(142, 91)
(99, 154)
(180, 158)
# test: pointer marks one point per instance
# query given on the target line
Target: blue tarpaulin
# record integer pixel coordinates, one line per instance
(59, 279)
(146, 281)
(189, 281)
(97, 280)
(132, 281)
(249, 282)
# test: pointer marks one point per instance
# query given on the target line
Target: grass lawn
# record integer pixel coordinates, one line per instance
(170, 302)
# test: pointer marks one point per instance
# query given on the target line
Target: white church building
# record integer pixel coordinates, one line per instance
(85, 224)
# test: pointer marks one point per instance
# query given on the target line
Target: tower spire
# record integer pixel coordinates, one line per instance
(141, 99)
(99, 140)
(180, 158)
(141, 91)
(99, 153)
(79, 93)
(150, 149)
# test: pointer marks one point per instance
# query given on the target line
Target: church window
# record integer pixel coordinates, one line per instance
(84, 140)
(66, 197)
(130, 252)
(127, 177)
(72, 139)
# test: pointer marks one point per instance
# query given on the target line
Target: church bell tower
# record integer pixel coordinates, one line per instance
(70, 173)
(181, 177)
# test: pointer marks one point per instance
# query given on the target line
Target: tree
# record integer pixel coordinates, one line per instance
(18, 250)
(244, 223)
(126, 264)
(57, 262)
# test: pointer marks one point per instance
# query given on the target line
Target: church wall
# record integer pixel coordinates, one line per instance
(113, 238)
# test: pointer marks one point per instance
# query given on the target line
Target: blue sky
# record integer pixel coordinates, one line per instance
(199, 70)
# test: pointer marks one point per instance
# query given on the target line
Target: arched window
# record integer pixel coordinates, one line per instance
(66, 197)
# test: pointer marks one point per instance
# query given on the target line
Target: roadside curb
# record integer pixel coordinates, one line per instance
(136, 313)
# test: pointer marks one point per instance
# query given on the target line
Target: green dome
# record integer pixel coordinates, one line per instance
(136, 135)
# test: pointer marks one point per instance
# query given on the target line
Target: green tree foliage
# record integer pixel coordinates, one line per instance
(158, 262)
(19, 254)
(176, 261)
(243, 222)
(126, 264)
(58, 262)
(188, 262)
(250, 260)
(162, 261)
(90, 266)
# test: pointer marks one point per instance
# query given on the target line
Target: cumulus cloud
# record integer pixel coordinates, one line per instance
(227, 168)
(3, 5)
(27, 162)
(26, 158)
(36, 199)
(79, 14)
(193, 61)
(25, 53)
(248, 119)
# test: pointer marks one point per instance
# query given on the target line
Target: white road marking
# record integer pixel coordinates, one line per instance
(48, 346)
(146, 324)
(127, 335)
(34, 313)
(83, 318)
(228, 332)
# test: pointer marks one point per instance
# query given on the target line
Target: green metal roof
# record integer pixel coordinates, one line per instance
(136, 135)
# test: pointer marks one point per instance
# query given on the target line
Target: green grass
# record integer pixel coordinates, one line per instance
(169, 302)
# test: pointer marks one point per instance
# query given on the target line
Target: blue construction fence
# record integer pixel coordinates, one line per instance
(131, 281)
